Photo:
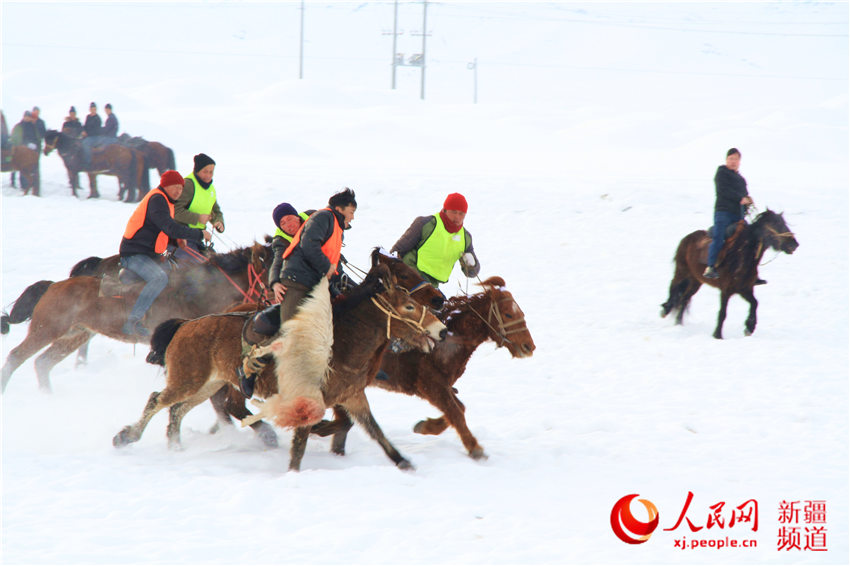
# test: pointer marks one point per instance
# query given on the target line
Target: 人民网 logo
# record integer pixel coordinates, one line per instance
(629, 529)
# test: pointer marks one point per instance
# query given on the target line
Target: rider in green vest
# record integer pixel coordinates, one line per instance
(287, 221)
(198, 203)
(433, 244)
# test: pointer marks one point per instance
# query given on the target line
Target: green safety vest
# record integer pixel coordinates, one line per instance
(438, 254)
(278, 232)
(202, 201)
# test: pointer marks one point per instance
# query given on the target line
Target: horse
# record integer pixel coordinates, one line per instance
(364, 321)
(491, 315)
(156, 156)
(113, 159)
(23, 159)
(71, 311)
(737, 266)
(229, 402)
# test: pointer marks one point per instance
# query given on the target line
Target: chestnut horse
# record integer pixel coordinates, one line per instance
(23, 159)
(737, 266)
(114, 159)
(71, 311)
(471, 320)
(364, 321)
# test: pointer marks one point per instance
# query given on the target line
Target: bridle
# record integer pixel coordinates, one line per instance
(388, 309)
(503, 329)
(780, 235)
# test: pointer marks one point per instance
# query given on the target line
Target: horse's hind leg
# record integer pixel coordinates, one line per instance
(82, 355)
(453, 414)
(674, 298)
(57, 352)
(721, 314)
(358, 407)
(93, 192)
(228, 403)
(750, 324)
(37, 338)
(690, 290)
(299, 446)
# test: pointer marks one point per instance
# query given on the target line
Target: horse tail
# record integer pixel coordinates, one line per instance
(172, 163)
(87, 266)
(160, 340)
(24, 305)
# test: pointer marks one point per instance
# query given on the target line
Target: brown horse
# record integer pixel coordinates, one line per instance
(156, 156)
(229, 402)
(737, 266)
(23, 159)
(471, 320)
(114, 159)
(71, 311)
(364, 320)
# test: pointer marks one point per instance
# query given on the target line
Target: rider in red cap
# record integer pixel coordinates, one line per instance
(432, 244)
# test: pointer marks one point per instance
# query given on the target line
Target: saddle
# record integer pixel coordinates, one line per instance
(117, 285)
(732, 232)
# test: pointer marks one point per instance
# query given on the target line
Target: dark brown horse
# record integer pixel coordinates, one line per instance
(364, 320)
(737, 266)
(71, 311)
(114, 159)
(471, 320)
(23, 159)
(156, 156)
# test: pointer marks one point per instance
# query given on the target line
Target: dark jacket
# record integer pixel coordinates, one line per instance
(307, 264)
(110, 128)
(279, 246)
(24, 133)
(730, 187)
(92, 127)
(72, 127)
(157, 219)
(415, 236)
(40, 130)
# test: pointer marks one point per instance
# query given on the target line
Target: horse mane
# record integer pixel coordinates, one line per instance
(160, 339)
(86, 266)
(368, 288)
(234, 261)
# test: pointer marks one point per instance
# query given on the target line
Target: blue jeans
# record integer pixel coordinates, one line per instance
(722, 220)
(155, 278)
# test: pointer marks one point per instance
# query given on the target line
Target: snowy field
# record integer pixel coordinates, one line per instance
(589, 154)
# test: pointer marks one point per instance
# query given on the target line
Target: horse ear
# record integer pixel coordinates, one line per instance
(375, 257)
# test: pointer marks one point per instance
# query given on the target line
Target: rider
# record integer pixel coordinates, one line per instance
(729, 205)
(432, 244)
(146, 238)
(314, 253)
(198, 204)
(287, 221)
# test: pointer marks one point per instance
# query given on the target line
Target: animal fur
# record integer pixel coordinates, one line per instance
(302, 353)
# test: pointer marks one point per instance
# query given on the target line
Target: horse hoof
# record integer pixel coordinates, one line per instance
(405, 465)
(748, 332)
(268, 437)
(478, 454)
(123, 438)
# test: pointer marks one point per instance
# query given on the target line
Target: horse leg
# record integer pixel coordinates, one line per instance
(12, 180)
(674, 298)
(93, 193)
(721, 315)
(358, 407)
(691, 289)
(228, 402)
(82, 355)
(299, 445)
(344, 424)
(750, 324)
(132, 433)
(58, 351)
(38, 336)
(453, 414)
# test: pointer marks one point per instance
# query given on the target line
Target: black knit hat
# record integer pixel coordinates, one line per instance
(202, 160)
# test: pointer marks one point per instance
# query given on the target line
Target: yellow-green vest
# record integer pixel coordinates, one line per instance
(202, 201)
(278, 232)
(438, 254)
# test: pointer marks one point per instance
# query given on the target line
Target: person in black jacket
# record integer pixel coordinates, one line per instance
(38, 124)
(72, 126)
(91, 134)
(146, 238)
(314, 253)
(729, 205)
(110, 128)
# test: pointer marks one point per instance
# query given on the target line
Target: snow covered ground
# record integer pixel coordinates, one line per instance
(589, 155)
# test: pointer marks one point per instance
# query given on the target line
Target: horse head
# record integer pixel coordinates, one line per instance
(505, 320)
(51, 140)
(775, 232)
(410, 279)
(261, 256)
(407, 319)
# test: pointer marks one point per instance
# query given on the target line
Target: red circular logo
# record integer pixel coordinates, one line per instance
(626, 527)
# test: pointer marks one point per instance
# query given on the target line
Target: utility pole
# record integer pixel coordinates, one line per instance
(395, 36)
(424, 35)
(301, 51)
(474, 68)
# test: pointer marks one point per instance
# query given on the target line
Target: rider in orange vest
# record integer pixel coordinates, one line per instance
(146, 238)
(314, 253)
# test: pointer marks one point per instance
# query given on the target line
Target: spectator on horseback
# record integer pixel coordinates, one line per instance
(314, 252)
(730, 203)
(38, 123)
(24, 132)
(198, 204)
(287, 221)
(110, 128)
(432, 244)
(72, 126)
(91, 133)
(146, 238)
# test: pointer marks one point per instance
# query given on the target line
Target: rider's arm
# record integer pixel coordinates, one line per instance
(159, 214)
(469, 270)
(412, 237)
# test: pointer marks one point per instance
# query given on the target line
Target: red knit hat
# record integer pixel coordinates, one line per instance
(171, 177)
(455, 201)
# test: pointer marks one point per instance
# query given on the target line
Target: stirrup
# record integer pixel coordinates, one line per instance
(246, 383)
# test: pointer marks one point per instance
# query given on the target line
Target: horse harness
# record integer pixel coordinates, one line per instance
(392, 313)
(780, 235)
(503, 330)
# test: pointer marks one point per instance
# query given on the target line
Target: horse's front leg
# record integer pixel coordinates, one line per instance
(58, 351)
(358, 407)
(228, 402)
(721, 315)
(299, 445)
(93, 193)
(453, 414)
(750, 324)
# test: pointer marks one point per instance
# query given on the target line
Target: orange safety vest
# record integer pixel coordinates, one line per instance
(332, 248)
(137, 220)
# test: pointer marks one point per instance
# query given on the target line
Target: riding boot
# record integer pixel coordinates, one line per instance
(257, 331)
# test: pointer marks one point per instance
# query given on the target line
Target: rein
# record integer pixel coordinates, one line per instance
(256, 287)
(780, 235)
(502, 332)
(392, 313)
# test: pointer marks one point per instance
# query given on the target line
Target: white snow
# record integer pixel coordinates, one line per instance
(589, 155)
